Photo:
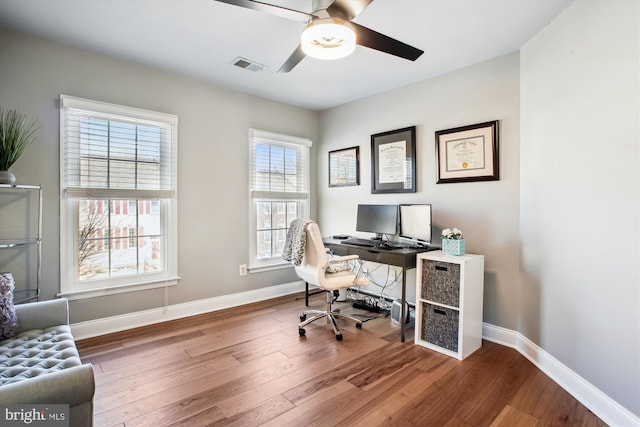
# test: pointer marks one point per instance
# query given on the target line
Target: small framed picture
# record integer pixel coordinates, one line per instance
(467, 153)
(393, 161)
(344, 167)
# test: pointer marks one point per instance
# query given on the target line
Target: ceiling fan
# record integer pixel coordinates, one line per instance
(330, 32)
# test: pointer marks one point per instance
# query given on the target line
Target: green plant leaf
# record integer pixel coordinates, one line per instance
(16, 135)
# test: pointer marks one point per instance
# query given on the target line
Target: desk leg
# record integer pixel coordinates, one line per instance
(306, 294)
(403, 307)
(403, 310)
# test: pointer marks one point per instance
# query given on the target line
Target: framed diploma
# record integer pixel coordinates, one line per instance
(468, 153)
(393, 161)
(344, 167)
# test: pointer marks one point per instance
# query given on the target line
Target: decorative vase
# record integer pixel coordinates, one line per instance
(7, 177)
(453, 246)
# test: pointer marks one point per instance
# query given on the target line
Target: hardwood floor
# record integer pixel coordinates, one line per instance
(247, 366)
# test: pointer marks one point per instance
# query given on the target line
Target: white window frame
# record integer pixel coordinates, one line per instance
(70, 285)
(303, 196)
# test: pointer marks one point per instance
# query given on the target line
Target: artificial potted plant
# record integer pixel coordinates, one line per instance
(16, 135)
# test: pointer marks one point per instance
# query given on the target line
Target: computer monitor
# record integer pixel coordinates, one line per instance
(379, 219)
(415, 223)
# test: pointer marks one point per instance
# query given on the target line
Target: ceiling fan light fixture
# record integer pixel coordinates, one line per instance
(328, 38)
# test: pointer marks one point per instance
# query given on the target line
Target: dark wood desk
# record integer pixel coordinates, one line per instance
(405, 258)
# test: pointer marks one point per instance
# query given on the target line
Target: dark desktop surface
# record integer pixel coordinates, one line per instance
(359, 242)
(377, 244)
(403, 257)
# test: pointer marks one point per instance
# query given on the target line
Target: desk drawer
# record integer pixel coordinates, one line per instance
(339, 250)
(381, 257)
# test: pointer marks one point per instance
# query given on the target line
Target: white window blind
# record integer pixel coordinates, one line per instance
(279, 166)
(112, 150)
(279, 192)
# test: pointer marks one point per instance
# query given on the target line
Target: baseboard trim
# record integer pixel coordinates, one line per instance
(609, 411)
(108, 325)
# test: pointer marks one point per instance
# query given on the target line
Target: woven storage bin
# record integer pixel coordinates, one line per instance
(440, 326)
(441, 282)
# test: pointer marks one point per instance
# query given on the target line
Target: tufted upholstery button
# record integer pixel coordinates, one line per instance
(37, 352)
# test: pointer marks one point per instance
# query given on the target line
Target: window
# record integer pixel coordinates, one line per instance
(132, 238)
(279, 192)
(118, 197)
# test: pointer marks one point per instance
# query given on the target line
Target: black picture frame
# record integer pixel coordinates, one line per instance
(468, 153)
(344, 167)
(393, 161)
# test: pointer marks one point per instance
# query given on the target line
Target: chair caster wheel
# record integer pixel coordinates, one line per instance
(302, 332)
(303, 317)
(337, 311)
(339, 337)
(358, 325)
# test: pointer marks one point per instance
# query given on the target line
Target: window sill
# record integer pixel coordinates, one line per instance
(113, 290)
(262, 268)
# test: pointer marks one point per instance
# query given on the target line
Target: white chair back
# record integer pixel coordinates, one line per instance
(314, 260)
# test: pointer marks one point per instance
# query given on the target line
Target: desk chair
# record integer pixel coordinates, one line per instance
(329, 275)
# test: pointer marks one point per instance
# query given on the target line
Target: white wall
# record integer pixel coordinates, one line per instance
(213, 162)
(487, 212)
(580, 194)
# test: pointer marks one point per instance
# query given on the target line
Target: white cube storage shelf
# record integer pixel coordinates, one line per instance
(449, 293)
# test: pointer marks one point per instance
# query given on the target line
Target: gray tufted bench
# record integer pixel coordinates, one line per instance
(37, 352)
(41, 363)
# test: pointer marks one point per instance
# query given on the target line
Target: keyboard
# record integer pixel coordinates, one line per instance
(359, 242)
(388, 245)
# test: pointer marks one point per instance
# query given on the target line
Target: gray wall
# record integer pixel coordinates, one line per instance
(580, 194)
(213, 162)
(486, 212)
(560, 230)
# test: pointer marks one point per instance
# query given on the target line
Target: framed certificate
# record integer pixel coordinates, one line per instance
(468, 153)
(344, 167)
(393, 161)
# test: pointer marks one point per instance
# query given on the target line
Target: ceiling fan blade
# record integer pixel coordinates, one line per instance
(293, 60)
(272, 9)
(374, 40)
(347, 9)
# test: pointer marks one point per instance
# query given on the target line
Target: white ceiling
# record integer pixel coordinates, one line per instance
(200, 38)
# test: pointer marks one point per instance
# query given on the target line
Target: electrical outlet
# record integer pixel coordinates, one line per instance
(392, 274)
(243, 269)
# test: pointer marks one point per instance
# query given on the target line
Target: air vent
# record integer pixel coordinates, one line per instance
(247, 64)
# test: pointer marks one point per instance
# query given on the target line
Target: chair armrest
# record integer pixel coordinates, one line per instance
(343, 258)
(72, 386)
(42, 315)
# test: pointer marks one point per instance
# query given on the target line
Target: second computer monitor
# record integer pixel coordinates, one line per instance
(379, 219)
(415, 223)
